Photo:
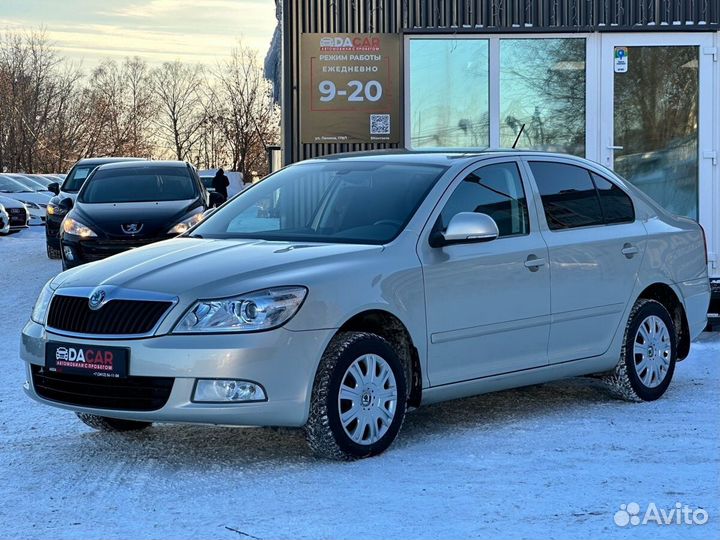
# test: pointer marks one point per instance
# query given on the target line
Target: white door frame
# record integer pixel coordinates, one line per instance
(708, 128)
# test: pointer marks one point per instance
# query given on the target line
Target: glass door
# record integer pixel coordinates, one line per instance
(657, 117)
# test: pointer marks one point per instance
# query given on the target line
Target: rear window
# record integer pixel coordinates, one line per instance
(568, 195)
(139, 184)
(617, 207)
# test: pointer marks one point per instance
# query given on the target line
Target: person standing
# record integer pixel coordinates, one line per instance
(220, 183)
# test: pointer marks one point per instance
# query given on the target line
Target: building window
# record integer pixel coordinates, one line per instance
(449, 102)
(542, 85)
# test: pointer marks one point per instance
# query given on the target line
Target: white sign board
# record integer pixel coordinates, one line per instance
(621, 59)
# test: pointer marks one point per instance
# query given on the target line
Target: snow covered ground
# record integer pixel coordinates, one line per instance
(552, 461)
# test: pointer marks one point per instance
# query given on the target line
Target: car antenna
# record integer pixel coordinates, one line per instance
(522, 128)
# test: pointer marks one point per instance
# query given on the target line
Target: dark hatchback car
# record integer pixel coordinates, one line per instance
(126, 205)
(69, 188)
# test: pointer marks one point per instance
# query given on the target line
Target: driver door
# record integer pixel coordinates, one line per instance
(488, 303)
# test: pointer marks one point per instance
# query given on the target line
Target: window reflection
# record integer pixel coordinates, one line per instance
(542, 85)
(449, 93)
(656, 124)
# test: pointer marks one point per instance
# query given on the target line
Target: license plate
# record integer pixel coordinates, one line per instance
(90, 360)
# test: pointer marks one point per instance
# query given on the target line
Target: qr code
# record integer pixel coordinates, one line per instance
(379, 124)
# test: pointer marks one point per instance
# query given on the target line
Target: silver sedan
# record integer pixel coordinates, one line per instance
(339, 292)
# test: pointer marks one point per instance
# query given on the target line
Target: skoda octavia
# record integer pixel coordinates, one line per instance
(341, 291)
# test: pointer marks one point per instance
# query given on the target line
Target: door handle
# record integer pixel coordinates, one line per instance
(533, 263)
(612, 147)
(629, 251)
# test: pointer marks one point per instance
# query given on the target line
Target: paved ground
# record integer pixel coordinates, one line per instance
(552, 461)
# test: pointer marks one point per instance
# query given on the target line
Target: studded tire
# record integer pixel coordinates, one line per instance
(324, 431)
(104, 423)
(624, 382)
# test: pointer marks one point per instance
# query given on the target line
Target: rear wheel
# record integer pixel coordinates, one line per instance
(103, 423)
(359, 398)
(647, 360)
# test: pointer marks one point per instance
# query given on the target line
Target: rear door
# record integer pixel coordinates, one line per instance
(595, 248)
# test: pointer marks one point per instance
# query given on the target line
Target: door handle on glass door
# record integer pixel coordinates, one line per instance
(611, 147)
(533, 263)
(629, 251)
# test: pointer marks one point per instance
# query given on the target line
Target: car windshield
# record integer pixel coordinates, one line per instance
(8, 185)
(139, 184)
(29, 183)
(337, 201)
(76, 178)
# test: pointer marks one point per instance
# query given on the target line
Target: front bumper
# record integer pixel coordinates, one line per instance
(282, 361)
(95, 249)
(52, 231)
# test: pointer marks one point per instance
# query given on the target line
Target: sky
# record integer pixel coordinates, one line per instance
(196, 31)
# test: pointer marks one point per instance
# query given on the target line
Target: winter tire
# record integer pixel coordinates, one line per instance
(103, 423)
(359, 398)
(648, 356)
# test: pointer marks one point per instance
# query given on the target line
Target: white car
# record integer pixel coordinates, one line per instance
(4, 221)
(34, 201)
(17, 212)
(338, 292)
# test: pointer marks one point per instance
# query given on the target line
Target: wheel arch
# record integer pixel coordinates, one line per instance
(391, 328)
(666, 295)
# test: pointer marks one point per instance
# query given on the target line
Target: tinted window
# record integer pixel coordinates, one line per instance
(616, 205)
(139, 184)
(495, 190)
(333, 201)
(568, 195)
(77, 177)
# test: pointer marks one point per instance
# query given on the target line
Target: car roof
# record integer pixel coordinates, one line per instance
(104, 160)
(144, 164)
(436, 157)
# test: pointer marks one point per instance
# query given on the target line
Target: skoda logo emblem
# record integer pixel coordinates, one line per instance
(131, 228)
(96, 299)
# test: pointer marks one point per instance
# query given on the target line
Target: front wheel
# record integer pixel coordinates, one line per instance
(647, 360)
(358, 399)
(104, 423)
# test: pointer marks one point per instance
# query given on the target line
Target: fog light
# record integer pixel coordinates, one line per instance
(222, 390)
(68, 252)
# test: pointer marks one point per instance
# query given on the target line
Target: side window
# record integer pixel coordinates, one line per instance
(495, 190)
(617, 207)
(568, 195)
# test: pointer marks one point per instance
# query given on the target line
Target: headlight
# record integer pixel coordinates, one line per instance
(70, 226)
(39, 312)
(31, 205)
(54, 210)
(259, 310)
(184, 225)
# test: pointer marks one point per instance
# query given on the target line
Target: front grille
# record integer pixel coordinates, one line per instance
(128, 394)
(18, 216)
(116, 317)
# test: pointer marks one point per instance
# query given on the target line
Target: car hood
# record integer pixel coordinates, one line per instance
(32, 196)
(153, 218)
(7, 202)
(204, 268)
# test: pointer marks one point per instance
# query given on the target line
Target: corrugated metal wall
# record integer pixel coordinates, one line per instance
(474, 16)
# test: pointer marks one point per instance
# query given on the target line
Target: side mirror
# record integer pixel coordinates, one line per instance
(54, 187)
(466, 228)
(66, 204)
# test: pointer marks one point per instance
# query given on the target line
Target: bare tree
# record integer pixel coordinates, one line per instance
(249, 117)
(181, 115)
